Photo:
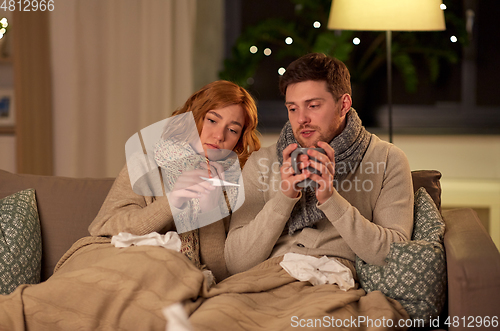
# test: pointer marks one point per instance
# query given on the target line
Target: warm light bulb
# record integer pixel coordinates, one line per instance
(288, 40)
(356, 41)
(267, 52)
(442, 6)
(453, 39)
(281, 71)
(254, 49)
(2, 31)
(317, 24)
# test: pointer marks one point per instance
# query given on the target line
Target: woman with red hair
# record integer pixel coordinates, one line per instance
(225, 121)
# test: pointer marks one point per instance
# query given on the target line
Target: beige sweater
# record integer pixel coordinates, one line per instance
(372, 208)
(125, 211)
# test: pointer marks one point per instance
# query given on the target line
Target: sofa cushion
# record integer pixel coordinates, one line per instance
(415, 273)
(66, 207)
(20, 241)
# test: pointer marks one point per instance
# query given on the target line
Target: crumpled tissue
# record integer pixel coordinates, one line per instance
(324, 270)
(177, 319)
(169, 240)
(209, 278)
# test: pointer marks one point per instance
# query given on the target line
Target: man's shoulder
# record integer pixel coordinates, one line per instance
(380, 149)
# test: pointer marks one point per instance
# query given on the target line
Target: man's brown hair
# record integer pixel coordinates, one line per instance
(318, 67)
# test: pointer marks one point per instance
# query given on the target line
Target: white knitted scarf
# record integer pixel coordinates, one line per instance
(175, 157)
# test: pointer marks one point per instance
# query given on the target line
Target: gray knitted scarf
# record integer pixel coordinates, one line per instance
(349, 146)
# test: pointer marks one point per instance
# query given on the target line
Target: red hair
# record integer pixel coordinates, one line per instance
(221, 94)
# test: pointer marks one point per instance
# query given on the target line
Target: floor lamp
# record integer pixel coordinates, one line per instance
(387, 15)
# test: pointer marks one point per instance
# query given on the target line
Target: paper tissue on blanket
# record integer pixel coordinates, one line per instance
(169, 240)
(324, 270)
(177, 319)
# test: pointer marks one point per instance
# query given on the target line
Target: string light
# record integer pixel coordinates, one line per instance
(288, 40)
(254, 49)
(453, 39)
(3, 24)
(317, 24)
(281, 71)
(356, 41)
(267, 52)
(442, 6)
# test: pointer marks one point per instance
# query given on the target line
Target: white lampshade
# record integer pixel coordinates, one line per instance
(386, 15)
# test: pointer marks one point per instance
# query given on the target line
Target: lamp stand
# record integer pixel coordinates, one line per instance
(388, 38)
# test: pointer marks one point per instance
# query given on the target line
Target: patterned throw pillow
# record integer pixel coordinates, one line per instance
(20, 241)
(415, 273)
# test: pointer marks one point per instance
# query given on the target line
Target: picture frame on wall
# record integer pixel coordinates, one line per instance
(7, 109)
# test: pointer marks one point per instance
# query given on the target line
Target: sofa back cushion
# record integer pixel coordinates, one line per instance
(66, 207)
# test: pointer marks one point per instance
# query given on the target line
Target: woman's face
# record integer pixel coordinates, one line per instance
(222, 128)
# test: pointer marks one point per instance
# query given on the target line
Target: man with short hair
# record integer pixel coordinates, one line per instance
(363, 200)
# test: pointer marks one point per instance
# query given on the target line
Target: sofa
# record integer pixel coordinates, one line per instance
(67, 206)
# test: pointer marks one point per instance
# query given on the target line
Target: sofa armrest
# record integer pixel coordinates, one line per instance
(473, 266)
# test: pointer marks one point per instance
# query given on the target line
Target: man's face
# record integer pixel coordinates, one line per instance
(313, 112)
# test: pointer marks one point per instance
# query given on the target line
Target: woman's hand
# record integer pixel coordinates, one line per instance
(210, 199)
(189, 186)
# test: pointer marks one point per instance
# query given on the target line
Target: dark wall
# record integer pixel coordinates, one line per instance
(470, 85)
